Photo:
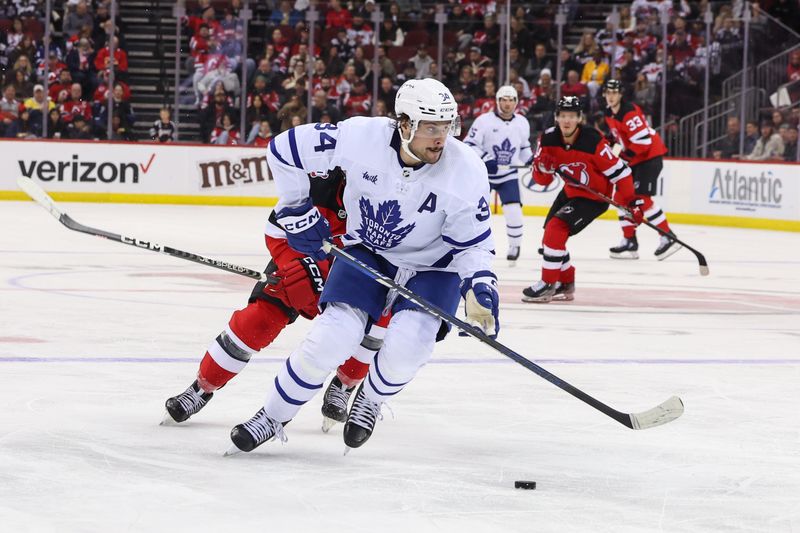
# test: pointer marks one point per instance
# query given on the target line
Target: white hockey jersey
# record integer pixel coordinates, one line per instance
(425, 217)
(505, 141)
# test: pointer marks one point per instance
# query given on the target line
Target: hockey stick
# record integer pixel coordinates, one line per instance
(661, 414)
(41, 197)
(700, 257)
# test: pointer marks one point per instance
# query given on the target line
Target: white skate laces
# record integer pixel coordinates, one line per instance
(264, 428)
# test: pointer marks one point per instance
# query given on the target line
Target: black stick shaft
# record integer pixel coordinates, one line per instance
(700, 257)
(70, 223)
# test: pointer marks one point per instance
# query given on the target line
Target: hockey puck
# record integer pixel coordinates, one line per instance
(527, 485)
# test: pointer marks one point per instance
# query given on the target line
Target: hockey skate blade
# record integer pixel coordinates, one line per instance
(659, 415)
(673, 249)
(327, 424)
(168, 420)
(625, 256)
(347, 450)
(233, 450)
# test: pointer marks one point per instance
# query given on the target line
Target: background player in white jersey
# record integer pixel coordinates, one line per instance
(502, 140)
(418, 211)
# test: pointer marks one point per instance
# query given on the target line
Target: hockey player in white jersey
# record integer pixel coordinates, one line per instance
(417, 210)
(502, 140)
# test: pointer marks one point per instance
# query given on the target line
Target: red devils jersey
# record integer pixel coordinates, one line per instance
(640, 142)
(589, 160)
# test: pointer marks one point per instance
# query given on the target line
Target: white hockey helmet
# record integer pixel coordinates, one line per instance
(506, 91)
(426, 99)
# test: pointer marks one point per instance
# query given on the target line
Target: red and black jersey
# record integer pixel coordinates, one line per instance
(588, 160)
(629, 126)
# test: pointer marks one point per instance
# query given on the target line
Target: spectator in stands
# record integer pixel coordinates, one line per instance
(293, 108)
(335, 65)
(517, 61)
(263, 136)
(777, 120)
(80, 65)
(595, 71)
(574, 87)
(297, 78)
(218, 72)
(285, 15)
(568, 63)
(387, 93)
(37, 101)
(751, 135)
(337, 16)
(680, 49)
(26, 127)
(513, 78)
(768, 147)
(790, 144)
(24, 64)
(793, 68)
(10, 109)
(360, 33)
(362, 65)
(538, 62)
(55, 126)
(728, 146)
(390, 34)
(409, 73)
(163, 129)
(79, 129)
(357, 102)
(422, 61)
(25, 48)
(23, 87)
(486, 103)
(521, 37)
(487, 37)
(211, 116)
(476, 61)
(587, 47)
(77, 19)
(102, 60)
(321, 106)
(387, 66)
(75, 105)
(462, 24)
(225, 133)
(644, 93)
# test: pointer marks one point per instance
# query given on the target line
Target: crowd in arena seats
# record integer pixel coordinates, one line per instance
(273, 79)
(77, 104)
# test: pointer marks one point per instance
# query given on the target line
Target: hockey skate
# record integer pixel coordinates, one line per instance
(185, 404)
(250, 435)
(361, 420)
(666, 247)
(565, 292)
(540, 292)
(334, 404)
(627, 249)
(512, 255)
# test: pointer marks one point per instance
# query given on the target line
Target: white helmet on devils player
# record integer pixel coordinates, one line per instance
(426, 100)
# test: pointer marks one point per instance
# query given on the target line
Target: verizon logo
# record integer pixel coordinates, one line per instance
(78, 170)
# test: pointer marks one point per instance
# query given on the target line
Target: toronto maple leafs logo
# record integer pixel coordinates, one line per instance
(382, 230)
(504, 152)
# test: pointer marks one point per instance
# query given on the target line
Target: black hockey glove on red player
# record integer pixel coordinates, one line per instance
(301, 283)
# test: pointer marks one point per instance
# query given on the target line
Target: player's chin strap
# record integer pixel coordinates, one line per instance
(405, 142)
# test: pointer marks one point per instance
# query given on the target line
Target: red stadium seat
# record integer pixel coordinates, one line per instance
(401, 54)
(34, 27)
(417, 37)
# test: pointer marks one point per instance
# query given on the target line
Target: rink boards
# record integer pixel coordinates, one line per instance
(727, 193)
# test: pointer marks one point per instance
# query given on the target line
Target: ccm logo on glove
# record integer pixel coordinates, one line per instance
(296, 224)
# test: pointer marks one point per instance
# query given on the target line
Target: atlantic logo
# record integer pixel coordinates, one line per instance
(227, 173)
(742, 191)
(79, 170)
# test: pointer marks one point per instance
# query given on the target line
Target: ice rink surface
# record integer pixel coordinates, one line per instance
(95, 336)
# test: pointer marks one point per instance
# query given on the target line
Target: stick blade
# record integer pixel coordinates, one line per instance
(704, 270)
(659, 415)
(38, 195)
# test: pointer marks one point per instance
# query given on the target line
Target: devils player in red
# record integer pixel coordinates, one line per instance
(272, 307)
(643, 150)
(582, 153)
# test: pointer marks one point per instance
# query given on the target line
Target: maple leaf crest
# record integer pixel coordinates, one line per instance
(382, 230)
(504, 152)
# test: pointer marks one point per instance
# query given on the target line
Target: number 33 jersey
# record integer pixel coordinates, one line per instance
(629, 126)
(423, 217)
